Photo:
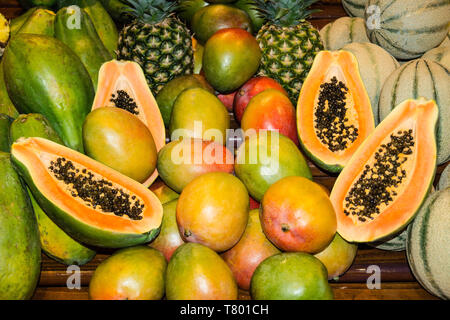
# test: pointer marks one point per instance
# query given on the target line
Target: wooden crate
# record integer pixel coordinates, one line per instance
(397, 282)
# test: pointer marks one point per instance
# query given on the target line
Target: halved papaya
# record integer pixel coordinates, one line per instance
(122, 84)
(385, 182)
(334, 114)
(91, 202)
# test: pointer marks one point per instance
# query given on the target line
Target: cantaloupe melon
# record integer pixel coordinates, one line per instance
(354, 8)
(439, 54)
(444, 180)
(446, 42)
(428, 244)
(375, 66)
(421, 78)
(407, 28)
(343, 31)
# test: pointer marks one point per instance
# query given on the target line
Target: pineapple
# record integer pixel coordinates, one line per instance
(288, 42)
(158, 41)
(4, 33)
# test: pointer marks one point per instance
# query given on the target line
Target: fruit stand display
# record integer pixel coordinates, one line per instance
(363, 117)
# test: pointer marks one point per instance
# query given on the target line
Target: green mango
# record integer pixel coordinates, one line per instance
(43, 75)
(20, 251)
(104, 24)
(74, 27)
(54, 241)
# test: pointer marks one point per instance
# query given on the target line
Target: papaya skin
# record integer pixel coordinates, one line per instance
(84, 41)
(16, 23)
(104, 24)
(5, 122)
(20, 250)
(135, 273)
(169, 238)
(249, 252)
(34, 3)
(196, 272)
(36, 21)
(36, 83)
(41, 21)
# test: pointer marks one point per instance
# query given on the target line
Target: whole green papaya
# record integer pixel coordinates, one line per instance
(104, 24)
(37, 21)
(43, 75)
(20, 251)
(40, 21)
(16, 23)
(5, 122)
(118, 10)
(74, 27)
(54, 241)
(37, 3)
(6, 105)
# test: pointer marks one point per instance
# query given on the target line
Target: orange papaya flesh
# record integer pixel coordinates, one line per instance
(386, 180)
(91, 202)
(334, 114)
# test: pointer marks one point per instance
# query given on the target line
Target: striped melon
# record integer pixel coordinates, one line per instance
(343, 31)
(439, 54)
(407, 28)
(396, 243)
(444, 180)
(354, 8)
(421, 78)
(429, 242)
(375, 66)
(446, 42)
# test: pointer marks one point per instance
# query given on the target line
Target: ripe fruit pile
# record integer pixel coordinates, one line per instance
(92, 115)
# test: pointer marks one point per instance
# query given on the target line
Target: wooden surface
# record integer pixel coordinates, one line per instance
(397, 282)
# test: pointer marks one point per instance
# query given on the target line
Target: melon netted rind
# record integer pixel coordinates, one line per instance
(444, 180)
(439, 54)
(428, 243)
(394, 243)
(354, 8)
(407, 29)
(446, 42)
(343, 31)
(421, 78)
(375, 66)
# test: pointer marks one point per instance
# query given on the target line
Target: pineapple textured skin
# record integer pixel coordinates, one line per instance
(163, 49)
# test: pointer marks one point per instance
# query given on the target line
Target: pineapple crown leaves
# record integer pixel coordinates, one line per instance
(151, 11)
(285, 13)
